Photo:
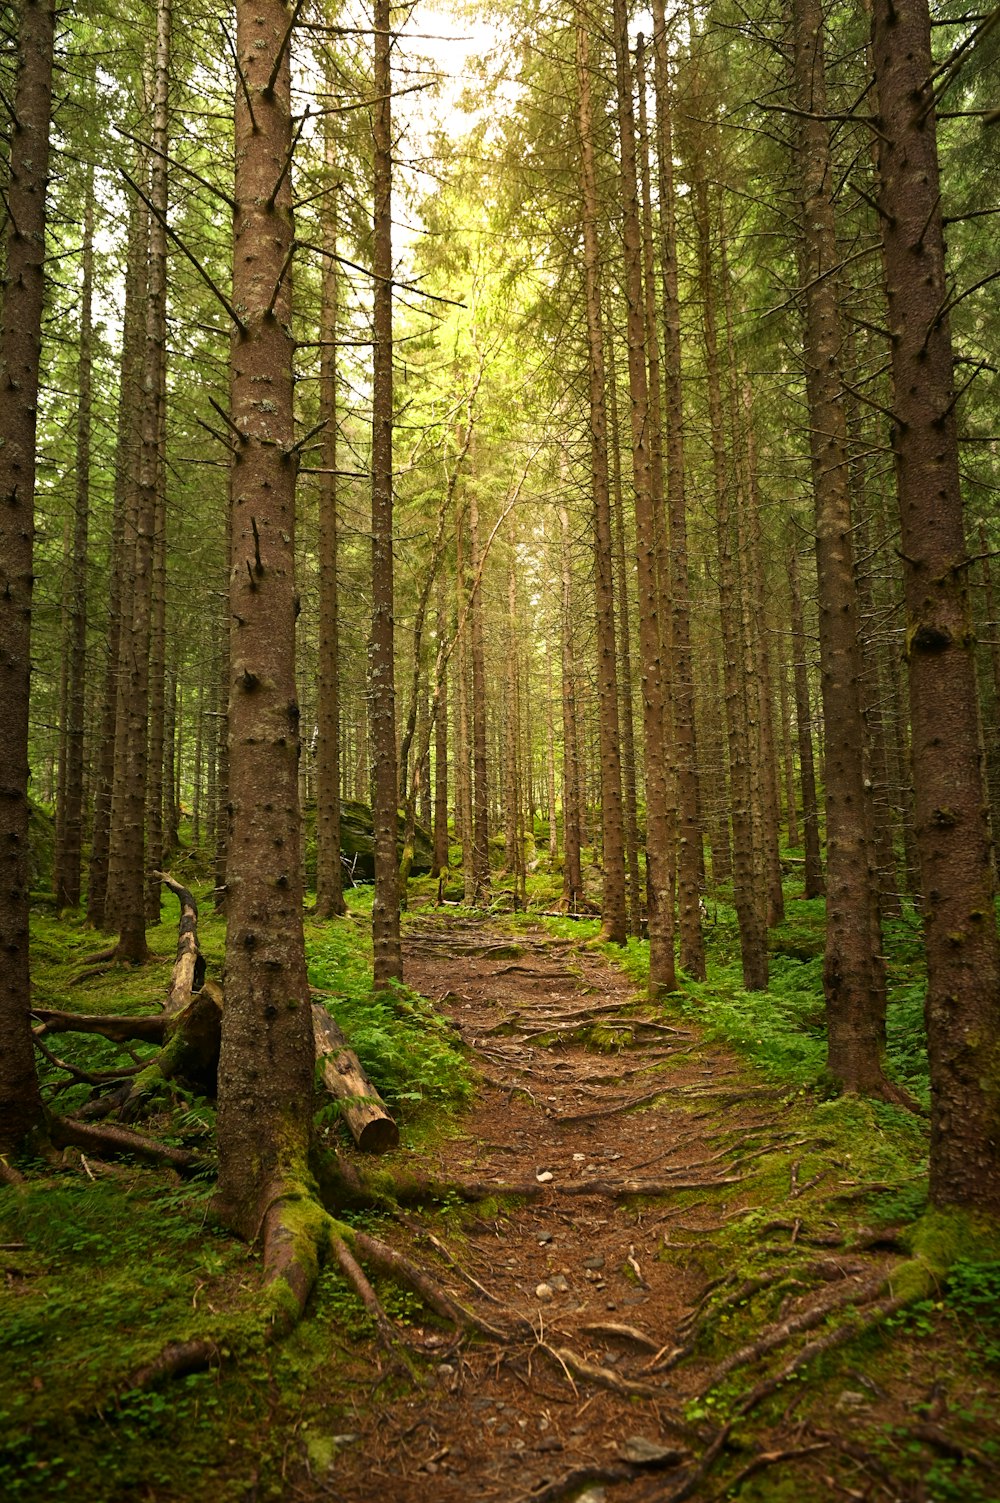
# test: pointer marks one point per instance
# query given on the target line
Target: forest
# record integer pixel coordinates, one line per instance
(500, 677)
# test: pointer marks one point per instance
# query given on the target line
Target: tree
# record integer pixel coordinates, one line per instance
(952, 824)
(385, 908)
(266, 1058)
(21, 303)
(853, 974)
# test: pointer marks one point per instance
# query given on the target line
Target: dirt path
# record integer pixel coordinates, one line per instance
(593, 1404)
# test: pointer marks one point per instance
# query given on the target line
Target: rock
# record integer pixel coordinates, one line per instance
(592, 1495)
(544, 1292)
(544, 1238)
(543, 1176)
(641, 1451)
(345, 1440)
(578, 1158)
(596, 1261)
(559, 1282)
(550, 1443)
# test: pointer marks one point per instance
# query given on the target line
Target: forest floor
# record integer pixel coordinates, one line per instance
(748, 1218)
(692, 1272)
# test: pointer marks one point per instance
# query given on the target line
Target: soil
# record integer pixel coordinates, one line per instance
(585, 1091)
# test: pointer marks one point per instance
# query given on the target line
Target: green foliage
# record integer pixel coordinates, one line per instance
(409, 1051)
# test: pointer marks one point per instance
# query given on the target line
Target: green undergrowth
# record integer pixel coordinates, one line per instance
(408, 1049)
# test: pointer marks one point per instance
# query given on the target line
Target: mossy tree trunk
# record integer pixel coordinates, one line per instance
(266, 1057)
(21, 304)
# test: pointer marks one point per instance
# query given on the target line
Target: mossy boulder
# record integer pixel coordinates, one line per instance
(357, 841)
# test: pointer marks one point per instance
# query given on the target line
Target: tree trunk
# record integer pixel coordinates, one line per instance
(659, 825)
(480, 792)
(388, 955)
(266, 1060)
(627, 719)
(952, 825)
(572, 873)
(853, 972)
(746, 892)
(441, 745)
(690, 865)
(70, 853)
(815, 887)
(613, 927)
(329, 879)
(130, 911)
(21, 303)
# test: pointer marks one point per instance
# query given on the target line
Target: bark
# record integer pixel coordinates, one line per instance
(129, 411)
(746, 892)
(550, 759)
(572, 873)
(815, 886)
(157, 664)
(952, 824)
(756, 593)
(718, 803)
(853, 973)
(788, 761)
(21, 304)
(659, 825)
(70, 854)
(690, 864)
(480, 791)
(992, 736)
(329, 877)
(614, 926)
(627, 718)
(364, 1111)
(134, 663)
(463, 781)
(441, 747)
(266, 1060)
(388, 956)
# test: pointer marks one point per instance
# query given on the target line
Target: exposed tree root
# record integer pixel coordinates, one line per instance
(804, 1320)
(66, 1132)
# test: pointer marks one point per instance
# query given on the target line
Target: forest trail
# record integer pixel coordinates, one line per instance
(613, 1283)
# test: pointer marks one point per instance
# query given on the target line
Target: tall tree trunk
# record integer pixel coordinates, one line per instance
(627, 719)
(572, 874)
(122, 533)
(68, 890)
(952, 825)
(550, 758)
(21, 302)
(157, 664)
(130, 917)
(266, 1058)
(480, 791)
(329, 877)
(441, 744)
(746, 891)
(463, 746)
(788, 761)
(388, 955)
(815, 886)
(690, 866)
(613, 926)
(659, 824)
(853, 974)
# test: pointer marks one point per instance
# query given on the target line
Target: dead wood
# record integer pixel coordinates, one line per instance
(356, 1277)
(577, 1479)
(120, 1030)
(765, 1459)
(188, 972)
(365, 1113)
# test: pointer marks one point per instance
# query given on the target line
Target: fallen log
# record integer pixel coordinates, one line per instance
(365, 1113)
(188, 974)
